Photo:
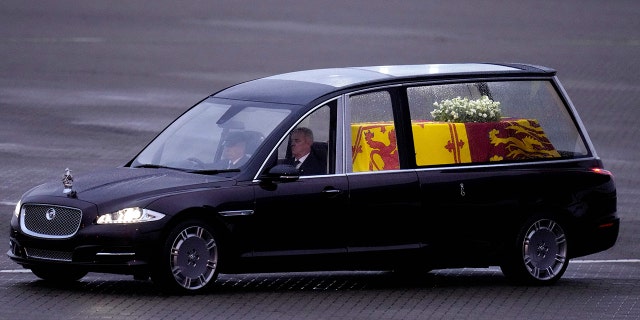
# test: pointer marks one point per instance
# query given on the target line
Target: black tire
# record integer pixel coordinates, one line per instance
(59, 274)
(188, 260)
(539, 256)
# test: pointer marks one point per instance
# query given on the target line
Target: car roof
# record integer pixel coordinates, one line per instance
(302, 87)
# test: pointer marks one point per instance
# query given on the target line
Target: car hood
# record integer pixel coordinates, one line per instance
(120, 184)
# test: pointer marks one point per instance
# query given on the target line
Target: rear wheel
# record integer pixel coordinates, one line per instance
(188, 262)
(539, 256)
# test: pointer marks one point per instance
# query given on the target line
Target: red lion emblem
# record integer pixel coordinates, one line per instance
(387, 153)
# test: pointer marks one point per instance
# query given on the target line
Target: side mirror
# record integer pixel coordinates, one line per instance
(281, 173)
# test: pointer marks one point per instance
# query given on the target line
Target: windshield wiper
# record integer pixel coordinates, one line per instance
(199, 171)
(213, 171)
(157, 166)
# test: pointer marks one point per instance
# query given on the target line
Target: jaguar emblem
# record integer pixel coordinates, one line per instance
(50, 214)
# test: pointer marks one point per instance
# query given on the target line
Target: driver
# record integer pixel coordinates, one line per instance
(233, 151)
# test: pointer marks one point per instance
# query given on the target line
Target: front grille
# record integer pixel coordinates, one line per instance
(48, 254)
(47, 221)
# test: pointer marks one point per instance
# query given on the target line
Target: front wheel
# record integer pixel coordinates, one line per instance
(539, 256)
(188, 262)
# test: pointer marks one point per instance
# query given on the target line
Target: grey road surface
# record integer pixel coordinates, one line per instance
(86, 84)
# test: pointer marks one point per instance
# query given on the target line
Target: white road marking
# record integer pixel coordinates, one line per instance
(15, 271)
(607, 261)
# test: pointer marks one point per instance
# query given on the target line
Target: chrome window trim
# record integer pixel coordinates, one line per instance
(475, 166)
(340, 148)
(274, 149)
(343, 150)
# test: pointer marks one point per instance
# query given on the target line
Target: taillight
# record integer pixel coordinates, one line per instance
(606, 225)
(602, 171)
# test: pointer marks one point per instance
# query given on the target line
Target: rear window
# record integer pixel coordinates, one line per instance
(483, 122)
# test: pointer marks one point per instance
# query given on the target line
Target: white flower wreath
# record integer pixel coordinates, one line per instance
(465, 110)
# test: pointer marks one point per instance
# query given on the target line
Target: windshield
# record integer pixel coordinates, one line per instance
(217, 134)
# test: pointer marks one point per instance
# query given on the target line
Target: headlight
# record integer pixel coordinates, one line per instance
(16, 211)
(130, 215)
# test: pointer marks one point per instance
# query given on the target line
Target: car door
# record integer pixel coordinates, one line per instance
(305, 219)
(480, 179)
(466, 203)
(386, 220)
(463, 220)
(301, 218)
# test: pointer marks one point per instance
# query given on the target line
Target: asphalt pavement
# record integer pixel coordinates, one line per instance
(86, 84)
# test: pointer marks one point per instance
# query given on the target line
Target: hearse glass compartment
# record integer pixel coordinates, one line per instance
(451, 123)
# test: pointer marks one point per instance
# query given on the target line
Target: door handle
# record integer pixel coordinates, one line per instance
(331, 193)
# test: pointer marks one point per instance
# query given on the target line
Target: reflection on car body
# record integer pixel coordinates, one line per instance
(420, 167)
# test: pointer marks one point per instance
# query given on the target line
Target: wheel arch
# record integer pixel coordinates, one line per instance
(511, 259)
(229, 249)
(559, 211)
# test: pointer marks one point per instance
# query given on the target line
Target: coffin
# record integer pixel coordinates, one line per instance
(374, 145)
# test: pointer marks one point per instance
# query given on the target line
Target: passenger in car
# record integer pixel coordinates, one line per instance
(306, 161)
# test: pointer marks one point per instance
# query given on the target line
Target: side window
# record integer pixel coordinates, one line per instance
(373, 135)
(491, 122)
(310, 144)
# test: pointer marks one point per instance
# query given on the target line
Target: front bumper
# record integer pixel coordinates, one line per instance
(121, 249)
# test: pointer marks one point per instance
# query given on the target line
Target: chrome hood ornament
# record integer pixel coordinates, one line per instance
(67, 182)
